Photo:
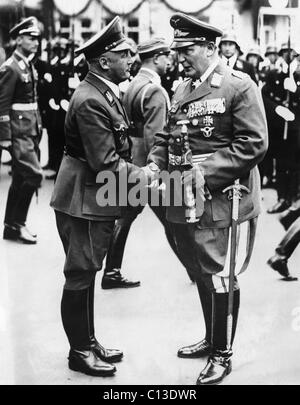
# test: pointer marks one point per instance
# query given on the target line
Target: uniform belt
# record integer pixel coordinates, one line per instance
(24, 106)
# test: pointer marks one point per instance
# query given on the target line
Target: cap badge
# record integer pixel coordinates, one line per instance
(180, 34)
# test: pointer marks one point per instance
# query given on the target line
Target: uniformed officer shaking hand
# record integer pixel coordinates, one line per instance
(227, 135)
(96, 132)
(20, 128)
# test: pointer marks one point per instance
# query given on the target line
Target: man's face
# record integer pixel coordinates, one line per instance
(272, 57)
(253, 60)
(119, 64)
(228, 49)
(288, 56)
(27, 44)
(163, 62)
(194, 60)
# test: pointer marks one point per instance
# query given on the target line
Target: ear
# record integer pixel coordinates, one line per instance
(104, 63)
(155, 59)
(211, 47)
(19, 40)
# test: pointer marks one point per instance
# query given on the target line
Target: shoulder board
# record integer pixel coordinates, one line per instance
(240, 75)
(216, 80)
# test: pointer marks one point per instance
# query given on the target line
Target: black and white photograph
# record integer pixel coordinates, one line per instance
(149, 195)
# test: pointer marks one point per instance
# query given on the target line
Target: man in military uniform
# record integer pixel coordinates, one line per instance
(147, 104)
(218, 115)
(96, 132)
(282, 96)
(230, 52)
(20, 128)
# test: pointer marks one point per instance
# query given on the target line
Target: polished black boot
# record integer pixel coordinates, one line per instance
(284, 250)
(202, 348)
(114, 279)
(108, 355)
(289, 216)
(219, 363)
(76, 321)
(18, 233)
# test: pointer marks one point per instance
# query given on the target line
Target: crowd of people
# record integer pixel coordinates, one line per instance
(196, 107)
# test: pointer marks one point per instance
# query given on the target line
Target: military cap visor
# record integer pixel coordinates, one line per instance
(29, 26)
(153, 47)
(189, 30)
(110, 38)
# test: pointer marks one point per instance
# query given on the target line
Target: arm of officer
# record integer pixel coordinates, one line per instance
(155, 114)
(8, 80)
(98, 140)
(249, 141)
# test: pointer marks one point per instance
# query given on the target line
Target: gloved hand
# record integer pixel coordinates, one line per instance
(53, 104)
(285, 113)
(290, 85)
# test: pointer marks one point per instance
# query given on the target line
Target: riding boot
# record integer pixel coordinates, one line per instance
(285, 249)
(202, 348)
(112, 277)
(75, 313)
(108, 355)
(219, 363)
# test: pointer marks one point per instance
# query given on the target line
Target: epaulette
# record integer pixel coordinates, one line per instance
(239, 74)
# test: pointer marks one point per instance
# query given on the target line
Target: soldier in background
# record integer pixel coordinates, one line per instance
(282, 92)
(21, 128)
(254, 58)
(230, 52)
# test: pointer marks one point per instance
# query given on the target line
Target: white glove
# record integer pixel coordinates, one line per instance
(73, 82)
(285, 113)
(64, 104)
(53, 104)
(5, 144)
(48, 77)
(290, 85)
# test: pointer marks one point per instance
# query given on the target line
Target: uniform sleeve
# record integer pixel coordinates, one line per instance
(249, 144)
(8, 80)
(98, 139)
(155, 115)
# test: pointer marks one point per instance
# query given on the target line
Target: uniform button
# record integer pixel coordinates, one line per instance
(20, 117)
(195, 122)
(185, 110)
(186, 138)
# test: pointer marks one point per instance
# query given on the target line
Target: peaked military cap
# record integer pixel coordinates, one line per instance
(153, 47)
(271, 49)
(110, 38)
(189, 30)
(29, 26)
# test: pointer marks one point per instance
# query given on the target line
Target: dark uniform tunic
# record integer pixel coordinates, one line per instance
(20, 122)
(227, 125)
(96, 132)
(285, 151)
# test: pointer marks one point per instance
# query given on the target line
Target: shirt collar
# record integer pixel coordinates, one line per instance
(155, 76)
(206, 74)
(231, 60)
(114, 87)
